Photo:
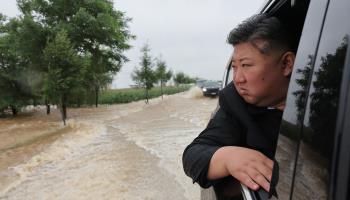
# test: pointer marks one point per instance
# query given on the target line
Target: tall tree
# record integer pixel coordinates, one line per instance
(145, 76)
(162, 75)
(64, 70)
(95, 29)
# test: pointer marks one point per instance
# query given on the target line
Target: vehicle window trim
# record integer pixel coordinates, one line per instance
(246, 193)
(272, 6)
(227, 72)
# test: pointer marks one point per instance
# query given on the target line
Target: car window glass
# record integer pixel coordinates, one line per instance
(313, 165)
(296, 99)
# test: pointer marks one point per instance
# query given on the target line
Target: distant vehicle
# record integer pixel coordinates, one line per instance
(211, 88)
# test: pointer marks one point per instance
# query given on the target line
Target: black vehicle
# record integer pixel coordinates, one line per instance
(313, 152)
(211, 88)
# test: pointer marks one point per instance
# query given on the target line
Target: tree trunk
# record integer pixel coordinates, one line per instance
(161, 88)
(78, 102)
(64, 108)
(14, 110)
(96, 96)
(95, 58)
(34, 102)
(146, 96)
(47, 107)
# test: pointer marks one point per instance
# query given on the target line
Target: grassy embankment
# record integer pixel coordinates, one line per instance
(136, 94)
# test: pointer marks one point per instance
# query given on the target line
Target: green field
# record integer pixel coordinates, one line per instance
(136, 94)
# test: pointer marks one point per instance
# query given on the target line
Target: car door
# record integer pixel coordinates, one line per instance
(291, 126)
(316, 176)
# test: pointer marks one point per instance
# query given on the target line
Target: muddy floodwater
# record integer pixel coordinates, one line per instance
(128, 151)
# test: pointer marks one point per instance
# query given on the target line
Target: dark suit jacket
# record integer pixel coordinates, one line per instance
(236, 123)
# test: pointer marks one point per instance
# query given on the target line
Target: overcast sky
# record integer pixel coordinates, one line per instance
(190, 35)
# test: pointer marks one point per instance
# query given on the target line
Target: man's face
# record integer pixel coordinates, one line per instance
(261, 79)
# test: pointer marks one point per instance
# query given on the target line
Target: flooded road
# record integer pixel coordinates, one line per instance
(130, 151)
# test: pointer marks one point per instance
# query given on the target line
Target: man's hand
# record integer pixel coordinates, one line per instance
(248, 166)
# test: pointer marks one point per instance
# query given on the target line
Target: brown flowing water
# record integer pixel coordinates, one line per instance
(129, 151)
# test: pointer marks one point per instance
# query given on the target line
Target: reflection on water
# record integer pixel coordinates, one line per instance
(130, 151)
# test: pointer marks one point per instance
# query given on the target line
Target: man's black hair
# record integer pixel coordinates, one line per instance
(266, 29)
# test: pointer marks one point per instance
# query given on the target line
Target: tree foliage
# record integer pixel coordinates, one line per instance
(182, 78)
(162, 74)
(95, 28)
(145, 76)
(57, 47)
(64, 70)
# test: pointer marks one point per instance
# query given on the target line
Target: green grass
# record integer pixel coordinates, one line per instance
(135, 94)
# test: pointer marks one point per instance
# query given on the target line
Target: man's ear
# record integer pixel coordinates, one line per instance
(287, 63)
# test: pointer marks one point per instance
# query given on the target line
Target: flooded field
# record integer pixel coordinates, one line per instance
(129, 151)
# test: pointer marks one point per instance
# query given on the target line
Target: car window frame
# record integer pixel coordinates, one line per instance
(340, 172)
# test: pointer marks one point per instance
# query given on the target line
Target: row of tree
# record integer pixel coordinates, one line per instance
(152, 71)
(60, 52)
